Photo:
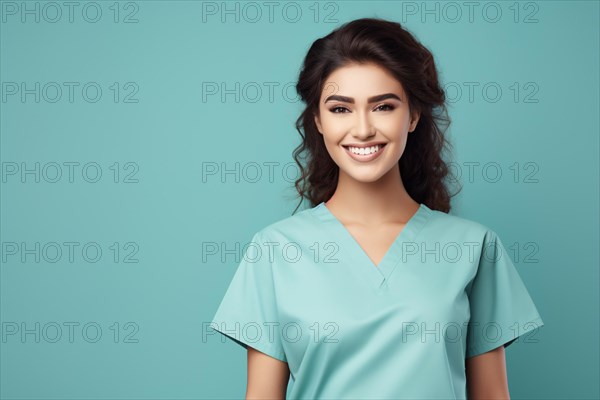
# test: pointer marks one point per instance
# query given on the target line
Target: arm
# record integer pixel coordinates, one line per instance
(267, 376)
(486, 376)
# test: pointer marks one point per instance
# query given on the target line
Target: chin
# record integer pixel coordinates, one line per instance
(365, 177)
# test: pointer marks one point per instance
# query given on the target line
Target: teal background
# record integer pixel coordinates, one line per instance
(548, 211)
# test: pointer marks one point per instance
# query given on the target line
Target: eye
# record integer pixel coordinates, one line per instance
(337, 108)
(389, 107)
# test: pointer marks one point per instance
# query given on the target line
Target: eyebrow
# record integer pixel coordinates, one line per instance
(370, 100)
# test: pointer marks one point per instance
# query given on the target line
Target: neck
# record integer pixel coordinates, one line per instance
(370, 203)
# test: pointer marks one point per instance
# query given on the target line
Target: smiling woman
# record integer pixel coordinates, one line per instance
(351, 127)
(374, 305)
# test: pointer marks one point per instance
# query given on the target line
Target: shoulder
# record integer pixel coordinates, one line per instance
(459, 227)
(288, 228)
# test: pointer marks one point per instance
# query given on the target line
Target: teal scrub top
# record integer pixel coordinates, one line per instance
(307, 294)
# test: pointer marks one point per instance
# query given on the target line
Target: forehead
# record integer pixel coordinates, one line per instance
(361, 81)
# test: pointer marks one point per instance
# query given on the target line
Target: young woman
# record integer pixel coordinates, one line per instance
(375, 291)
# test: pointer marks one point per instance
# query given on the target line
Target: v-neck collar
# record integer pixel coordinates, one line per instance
(377, 274)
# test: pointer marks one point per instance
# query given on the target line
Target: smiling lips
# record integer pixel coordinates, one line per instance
(364, 153)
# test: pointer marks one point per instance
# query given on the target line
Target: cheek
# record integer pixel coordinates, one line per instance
(334, 149)
(333, 132)
(398, 125)
(329, 126)
(400, 147)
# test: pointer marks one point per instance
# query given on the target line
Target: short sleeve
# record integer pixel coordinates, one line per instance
(248, 311)
(500, 305)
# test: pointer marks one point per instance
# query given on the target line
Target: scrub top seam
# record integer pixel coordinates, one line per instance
(261, 236)
(387, 266)
(375, 276)
(411, 234)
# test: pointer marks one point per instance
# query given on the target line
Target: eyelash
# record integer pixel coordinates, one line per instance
(391, 107)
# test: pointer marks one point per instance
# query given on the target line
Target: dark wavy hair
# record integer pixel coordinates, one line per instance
(386, 43)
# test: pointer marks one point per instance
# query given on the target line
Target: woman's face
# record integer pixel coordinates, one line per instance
(363, 106)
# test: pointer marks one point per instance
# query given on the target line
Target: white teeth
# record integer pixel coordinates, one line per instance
(364, 150)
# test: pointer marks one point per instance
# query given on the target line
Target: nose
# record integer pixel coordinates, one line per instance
(363, 128)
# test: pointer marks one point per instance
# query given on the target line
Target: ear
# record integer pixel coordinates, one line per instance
(318, 123)
(414, 121)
